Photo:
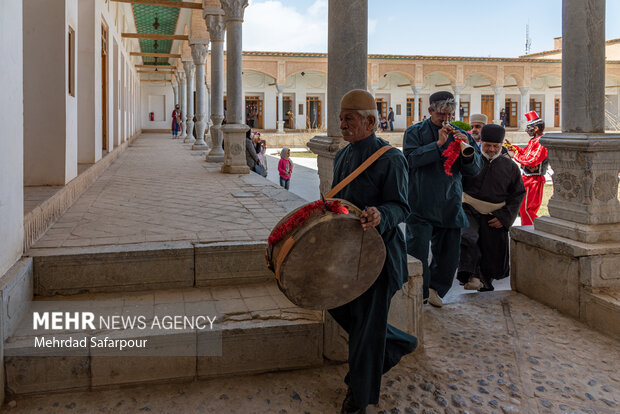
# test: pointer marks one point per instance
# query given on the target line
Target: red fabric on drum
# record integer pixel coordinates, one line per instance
(300, 217)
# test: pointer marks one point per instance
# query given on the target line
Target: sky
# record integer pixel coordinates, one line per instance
(418, 27)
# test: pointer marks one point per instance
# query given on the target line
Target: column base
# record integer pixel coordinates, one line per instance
(235, 169)
(234, 149)
(189, 140)
(200, 147)
(576, 278)
(215, 157)
(326, 148)
(585, 233)
(280, 126)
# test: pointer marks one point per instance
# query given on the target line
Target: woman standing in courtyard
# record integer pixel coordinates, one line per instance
(285, 168)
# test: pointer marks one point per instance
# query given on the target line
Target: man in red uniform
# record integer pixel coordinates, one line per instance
(533, 160)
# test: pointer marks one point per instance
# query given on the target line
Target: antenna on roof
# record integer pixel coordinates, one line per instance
(528, 39)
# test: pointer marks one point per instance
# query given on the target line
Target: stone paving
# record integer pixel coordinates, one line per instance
(159, 190)
(497, 353)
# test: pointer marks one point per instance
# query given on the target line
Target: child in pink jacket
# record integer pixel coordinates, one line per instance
(285, 168)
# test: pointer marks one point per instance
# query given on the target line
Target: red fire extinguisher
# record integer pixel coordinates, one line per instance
(152, 116)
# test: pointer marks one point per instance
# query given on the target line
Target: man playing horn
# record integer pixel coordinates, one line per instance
(381, 190)
(435, 196)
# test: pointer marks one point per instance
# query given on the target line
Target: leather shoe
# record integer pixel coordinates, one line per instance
(349, 407)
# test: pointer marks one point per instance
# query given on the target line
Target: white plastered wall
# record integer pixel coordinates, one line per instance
(50, 113)
(158, 98)
(11, 144)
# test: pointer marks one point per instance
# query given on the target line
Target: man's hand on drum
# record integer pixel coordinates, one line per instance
(370, 218)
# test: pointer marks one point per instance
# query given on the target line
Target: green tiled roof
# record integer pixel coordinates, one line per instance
(167, 17)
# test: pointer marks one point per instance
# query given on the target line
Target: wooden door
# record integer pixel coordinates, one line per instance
(104, 87)
(287, 111)
(487, 106)
(465, 106)
(514, 114)
(411, 108)
(536, 106)
(556, 112)
(381, 108)
(254, 112)
(313, 112)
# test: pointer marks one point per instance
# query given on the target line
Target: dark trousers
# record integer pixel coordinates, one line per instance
(285, 182)
(391, 126)
(484, 249)
(445, 247)
(374, 345)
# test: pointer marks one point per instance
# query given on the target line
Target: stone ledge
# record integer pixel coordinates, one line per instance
(562, 245)
(37, 221)
(219, 264)
(601, 310)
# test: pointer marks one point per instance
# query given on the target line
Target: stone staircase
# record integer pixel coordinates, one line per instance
(257, 329)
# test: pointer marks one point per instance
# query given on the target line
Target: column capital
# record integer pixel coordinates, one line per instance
(497, 89)
(524, 90)
(181, 76)
(280, 87)
(216, 26)
(200, 52)
(416, 89)
(457, 88)
(188, 67)
(234, 9)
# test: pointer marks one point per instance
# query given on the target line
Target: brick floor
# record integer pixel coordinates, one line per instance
(498, 353)
(159, 190)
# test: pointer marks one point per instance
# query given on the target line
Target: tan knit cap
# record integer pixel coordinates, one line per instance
(358, 99)
(482, 118)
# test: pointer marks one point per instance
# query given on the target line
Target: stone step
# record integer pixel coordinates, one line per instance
(256, 329)
(600, 308)
(147, 266)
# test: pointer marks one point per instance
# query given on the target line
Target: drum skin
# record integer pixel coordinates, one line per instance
(331, 262)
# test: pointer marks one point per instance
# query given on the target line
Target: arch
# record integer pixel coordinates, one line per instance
(406, 70)
(517, 72)
(293, 68)
(538, 71)
(489, 72)
(449, 71)
(472, 75)
(261, 66)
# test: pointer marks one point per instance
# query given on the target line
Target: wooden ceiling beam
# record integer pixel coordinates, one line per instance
(168, 55)
(165, 3)
(155, 80)
(154, 36)
(167, 72)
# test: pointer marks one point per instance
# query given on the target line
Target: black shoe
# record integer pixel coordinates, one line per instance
(485, 288)
(349, 407)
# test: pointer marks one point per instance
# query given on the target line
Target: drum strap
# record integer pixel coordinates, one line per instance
(290, 241)
(369, 161)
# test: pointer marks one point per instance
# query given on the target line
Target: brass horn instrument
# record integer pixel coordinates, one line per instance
(467, 150)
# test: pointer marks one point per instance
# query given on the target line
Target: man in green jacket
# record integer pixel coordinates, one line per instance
(435, 198)
(381, 190)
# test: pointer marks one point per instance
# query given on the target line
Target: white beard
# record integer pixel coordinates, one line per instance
(488, 157)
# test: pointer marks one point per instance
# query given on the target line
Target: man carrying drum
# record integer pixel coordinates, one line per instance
(381, 190)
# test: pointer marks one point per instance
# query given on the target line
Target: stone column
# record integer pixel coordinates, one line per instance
(347, 69)
(570, 259)
(523, 107)
(457, 98)
(175, 91)
(235, 129)
(200, 48)
(280, 89)
(497, 104)
(416, 103)
(215, 24)
(183, 102)
(189, 68)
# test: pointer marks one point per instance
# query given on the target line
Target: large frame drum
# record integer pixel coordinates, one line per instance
(329, 260)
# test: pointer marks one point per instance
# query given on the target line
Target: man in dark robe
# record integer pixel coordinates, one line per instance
(491, 202)
(435, 197)
(381, 190)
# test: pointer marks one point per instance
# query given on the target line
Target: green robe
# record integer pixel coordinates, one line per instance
(434, 196)
(375, 346)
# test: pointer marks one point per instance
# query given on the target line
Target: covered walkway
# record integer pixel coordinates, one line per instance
(159, 191)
